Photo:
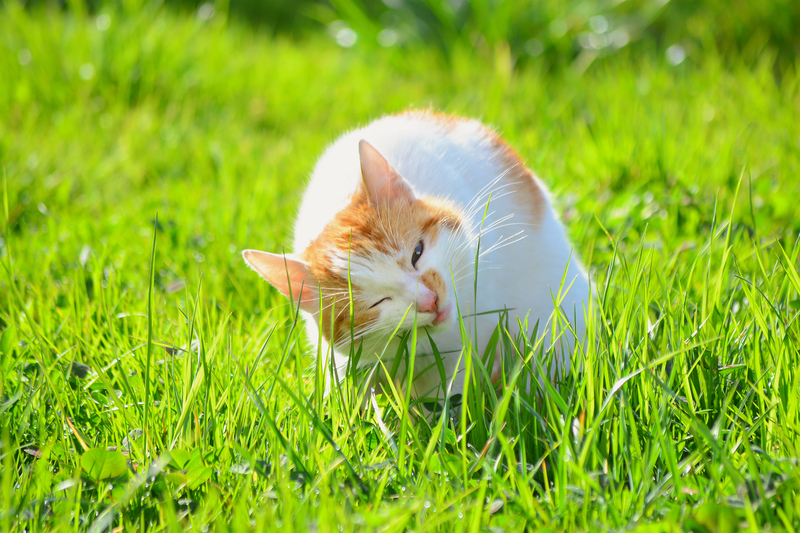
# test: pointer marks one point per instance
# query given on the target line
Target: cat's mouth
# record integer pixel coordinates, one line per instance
(442, 315)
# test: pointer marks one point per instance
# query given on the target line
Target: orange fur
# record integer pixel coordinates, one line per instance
(363, 229)
(518, 174)
(447, 122)
(434, 281)
(496, 369)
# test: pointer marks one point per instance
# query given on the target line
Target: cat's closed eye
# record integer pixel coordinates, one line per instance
(417, 254)
(380, 302)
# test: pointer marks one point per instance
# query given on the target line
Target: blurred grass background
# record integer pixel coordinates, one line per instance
(555, 31)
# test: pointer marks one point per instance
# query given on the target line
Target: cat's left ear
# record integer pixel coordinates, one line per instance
(382, 182)
(287, 273)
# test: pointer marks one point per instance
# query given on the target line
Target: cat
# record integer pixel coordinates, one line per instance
(397, 212)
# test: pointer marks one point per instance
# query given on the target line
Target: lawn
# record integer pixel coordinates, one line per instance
(149, 380)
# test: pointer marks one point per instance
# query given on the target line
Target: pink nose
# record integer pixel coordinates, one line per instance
(427, 300)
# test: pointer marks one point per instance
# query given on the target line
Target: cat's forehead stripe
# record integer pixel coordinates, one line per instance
(362, 230)
(442, 217)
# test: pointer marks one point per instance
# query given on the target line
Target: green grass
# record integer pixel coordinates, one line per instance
(679, 186)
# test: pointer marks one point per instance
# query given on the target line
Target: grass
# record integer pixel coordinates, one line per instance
(141, 152)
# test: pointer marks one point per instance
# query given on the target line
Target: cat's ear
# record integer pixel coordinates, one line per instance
(382, 182)
(287, 273)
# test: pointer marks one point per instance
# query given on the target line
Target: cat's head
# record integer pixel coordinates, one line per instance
(397, 254)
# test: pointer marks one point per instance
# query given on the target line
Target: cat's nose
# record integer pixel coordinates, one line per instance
(427, 301)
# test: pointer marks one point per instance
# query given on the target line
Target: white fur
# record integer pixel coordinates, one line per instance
(521, 265)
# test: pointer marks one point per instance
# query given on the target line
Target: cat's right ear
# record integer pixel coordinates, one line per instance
(287, 273)
(382, 182)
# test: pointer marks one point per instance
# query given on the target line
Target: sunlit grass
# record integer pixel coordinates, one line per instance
(679, 189)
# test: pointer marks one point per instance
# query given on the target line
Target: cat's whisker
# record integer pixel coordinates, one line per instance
(473, 204)
(344, 302)
(483, 231)
(499, 224)
(507, 225)
(485, 191)
(493, 198)
(370, 330)
(479, 205)
(517, 237)
(469, 274)
(495, 223)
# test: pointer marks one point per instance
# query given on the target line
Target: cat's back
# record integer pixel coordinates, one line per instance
(443, 156)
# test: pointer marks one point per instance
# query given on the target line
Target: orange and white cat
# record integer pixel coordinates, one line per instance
(404, 207)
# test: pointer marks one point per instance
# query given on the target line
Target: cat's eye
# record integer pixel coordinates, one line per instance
(417, 254)
(378, 303)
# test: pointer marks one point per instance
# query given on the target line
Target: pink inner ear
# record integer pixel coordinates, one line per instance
(289, 274)
(383, 183)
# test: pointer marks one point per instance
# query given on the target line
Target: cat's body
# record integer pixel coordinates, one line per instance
(430, 198)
